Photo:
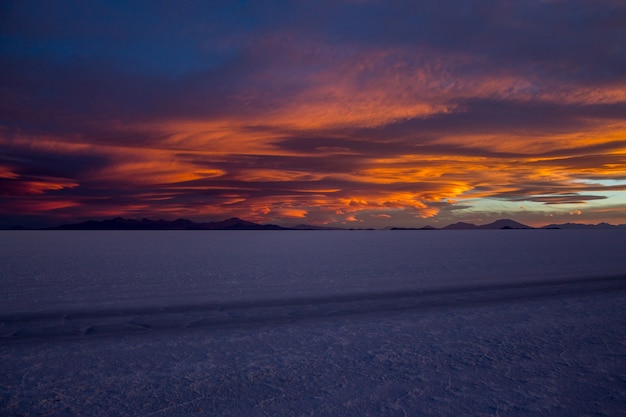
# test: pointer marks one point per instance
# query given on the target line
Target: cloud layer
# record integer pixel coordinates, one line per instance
(366, 113)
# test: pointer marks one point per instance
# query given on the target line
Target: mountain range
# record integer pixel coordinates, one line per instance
(119, 223)
(512, 224)
(498, 224)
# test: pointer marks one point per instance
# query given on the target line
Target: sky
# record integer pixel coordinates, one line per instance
(350, 113)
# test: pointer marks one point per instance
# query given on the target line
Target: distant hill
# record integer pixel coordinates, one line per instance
(311, 227)
(429, 227)
(504, 224)
(120, 223)
(584, 226)
(498, 224)
(460, 226)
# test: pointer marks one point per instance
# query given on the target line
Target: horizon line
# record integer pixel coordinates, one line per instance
(460, 224)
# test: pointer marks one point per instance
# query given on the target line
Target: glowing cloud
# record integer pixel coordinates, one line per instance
(392, 119)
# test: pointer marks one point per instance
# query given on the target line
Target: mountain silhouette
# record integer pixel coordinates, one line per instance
(504, 224)
(498, 224)
(460, 226)
(602, 225)
(119, 223)
(235, 223)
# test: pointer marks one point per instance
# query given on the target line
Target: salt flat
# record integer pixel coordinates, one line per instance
(313, 323)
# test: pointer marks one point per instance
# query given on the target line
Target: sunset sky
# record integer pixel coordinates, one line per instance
(343, 113)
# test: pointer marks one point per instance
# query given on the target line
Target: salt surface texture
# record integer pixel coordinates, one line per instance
(78, 270)
(526, 322)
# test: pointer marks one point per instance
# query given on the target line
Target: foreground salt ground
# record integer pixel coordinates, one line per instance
(373, 327)
(545, 355)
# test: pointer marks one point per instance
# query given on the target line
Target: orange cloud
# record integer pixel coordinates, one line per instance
(32, 186)
(287, 212)
(379, 130)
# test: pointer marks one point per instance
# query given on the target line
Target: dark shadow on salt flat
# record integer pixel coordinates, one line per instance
(262, 312)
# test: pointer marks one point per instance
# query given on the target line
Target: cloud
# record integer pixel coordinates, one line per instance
(314, 111)
(565, 199)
